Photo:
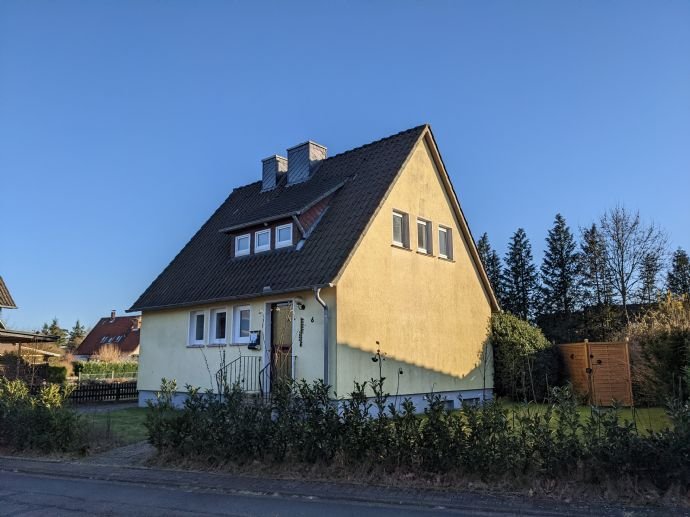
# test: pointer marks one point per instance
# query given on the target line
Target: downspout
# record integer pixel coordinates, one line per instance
(317, 295)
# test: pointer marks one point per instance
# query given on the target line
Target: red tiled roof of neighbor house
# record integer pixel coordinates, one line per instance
(6, 301)
(121, 331)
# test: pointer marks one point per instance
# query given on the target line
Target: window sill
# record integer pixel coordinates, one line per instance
(425, 254)
(239, 344)
(216, 345)
(400, 247)
(196, 346)
(446, 259)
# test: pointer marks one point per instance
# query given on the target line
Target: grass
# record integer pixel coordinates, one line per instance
(124, 426)
(647, 419)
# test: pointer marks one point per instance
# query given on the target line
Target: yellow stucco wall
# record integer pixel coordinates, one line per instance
(430, 315)
(165, 351)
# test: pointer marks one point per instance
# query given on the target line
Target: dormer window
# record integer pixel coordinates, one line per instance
(262, 240)
(242, 245)
(284, 236)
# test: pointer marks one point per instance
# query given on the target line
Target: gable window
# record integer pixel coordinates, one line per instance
(218, 326)
(400, 229)
(445, 243)
(241, 317)
(424, 236)
(197, 321)
(284, 236)
(242, 245)
(262, 240)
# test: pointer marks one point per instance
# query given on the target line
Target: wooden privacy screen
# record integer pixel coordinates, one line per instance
(601, 371)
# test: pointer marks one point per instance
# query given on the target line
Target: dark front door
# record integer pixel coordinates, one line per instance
(281, 342)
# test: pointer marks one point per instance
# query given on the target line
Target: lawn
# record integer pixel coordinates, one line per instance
(124, 426)
(647, 419)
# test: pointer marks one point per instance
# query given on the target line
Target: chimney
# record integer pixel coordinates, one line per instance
(302, 160)
(136, 323)
(273, 168)
(112, 314)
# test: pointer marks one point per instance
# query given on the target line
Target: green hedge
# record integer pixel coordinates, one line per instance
(56, 374)
(105, 368)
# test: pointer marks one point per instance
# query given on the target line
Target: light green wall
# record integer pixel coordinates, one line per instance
(165, 353)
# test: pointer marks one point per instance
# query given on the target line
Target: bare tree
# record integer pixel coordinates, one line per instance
(629, 242)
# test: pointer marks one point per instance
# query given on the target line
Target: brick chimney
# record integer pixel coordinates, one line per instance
(273, 168)
(112, 314)
(302, 160)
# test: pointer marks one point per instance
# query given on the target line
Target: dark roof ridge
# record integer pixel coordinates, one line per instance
(389, 137)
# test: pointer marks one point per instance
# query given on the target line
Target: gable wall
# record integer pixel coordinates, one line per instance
(430, 315)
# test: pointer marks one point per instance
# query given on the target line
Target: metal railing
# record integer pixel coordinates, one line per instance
(244, 372)
(104, 376)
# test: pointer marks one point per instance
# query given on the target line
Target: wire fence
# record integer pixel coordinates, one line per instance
(107, 376)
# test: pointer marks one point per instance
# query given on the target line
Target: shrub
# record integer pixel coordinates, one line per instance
(56, 374)
(96, 367)
(40, 422)
(660, 351)
(525, 363)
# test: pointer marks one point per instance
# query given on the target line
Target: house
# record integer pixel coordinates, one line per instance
(121, 332)
(310, 271)
(6, 301)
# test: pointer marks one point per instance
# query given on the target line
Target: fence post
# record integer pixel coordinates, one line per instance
(117, 393)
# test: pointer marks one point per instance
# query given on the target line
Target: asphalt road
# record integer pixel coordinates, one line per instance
(56, 488)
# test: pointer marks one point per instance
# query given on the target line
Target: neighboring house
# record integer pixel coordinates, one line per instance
(6, 301)
(309, 271)
(121, 332)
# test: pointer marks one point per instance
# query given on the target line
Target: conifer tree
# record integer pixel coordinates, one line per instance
(76, 335)
(519, 278)
(649, 273)
(595, 285)
(678, 278)
(54, 329)
(492, 264)
(559, 269)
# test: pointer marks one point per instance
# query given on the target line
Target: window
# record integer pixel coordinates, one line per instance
(424, 236)
(284, 236)
(262, 240)
(445, 243)
(400, 229)
(218, 326)
(242, 245)
(196, 328)
(241, 317)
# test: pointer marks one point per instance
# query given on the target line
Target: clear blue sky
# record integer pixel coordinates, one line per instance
(123, 125)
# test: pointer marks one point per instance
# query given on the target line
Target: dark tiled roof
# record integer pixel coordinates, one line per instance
(204, 272)
(6, 301)
(121, 331)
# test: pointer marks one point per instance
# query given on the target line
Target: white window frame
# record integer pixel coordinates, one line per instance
(265, 247)
(404, 230)
(427, 234)
(238, 252)
(236, 321)
(212, 326)
(191, 335)
(286, 243)
(449, 242)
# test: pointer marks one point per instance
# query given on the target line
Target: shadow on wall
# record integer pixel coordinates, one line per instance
(404, 378)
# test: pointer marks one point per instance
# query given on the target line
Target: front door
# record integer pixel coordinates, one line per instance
(281, 342)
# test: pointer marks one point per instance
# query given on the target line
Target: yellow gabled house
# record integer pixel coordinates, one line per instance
(308, 272)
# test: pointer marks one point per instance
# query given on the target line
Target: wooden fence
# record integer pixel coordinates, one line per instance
(599, 371)
(105, 392)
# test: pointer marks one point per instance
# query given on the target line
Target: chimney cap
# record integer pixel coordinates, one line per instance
(308, 142)
(273, 157)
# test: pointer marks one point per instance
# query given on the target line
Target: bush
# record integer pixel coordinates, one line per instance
(525, 363)
(301, 424)
(56, 374)
(39, 422)
(94, 367)
(660, 351)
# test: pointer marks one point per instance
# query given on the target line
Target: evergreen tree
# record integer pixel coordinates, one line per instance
(492, 264)
(76, 335)
(649, 273)
(678, 278)
(595, 284)
(559, 269)
(54, 329)
(519, 278)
